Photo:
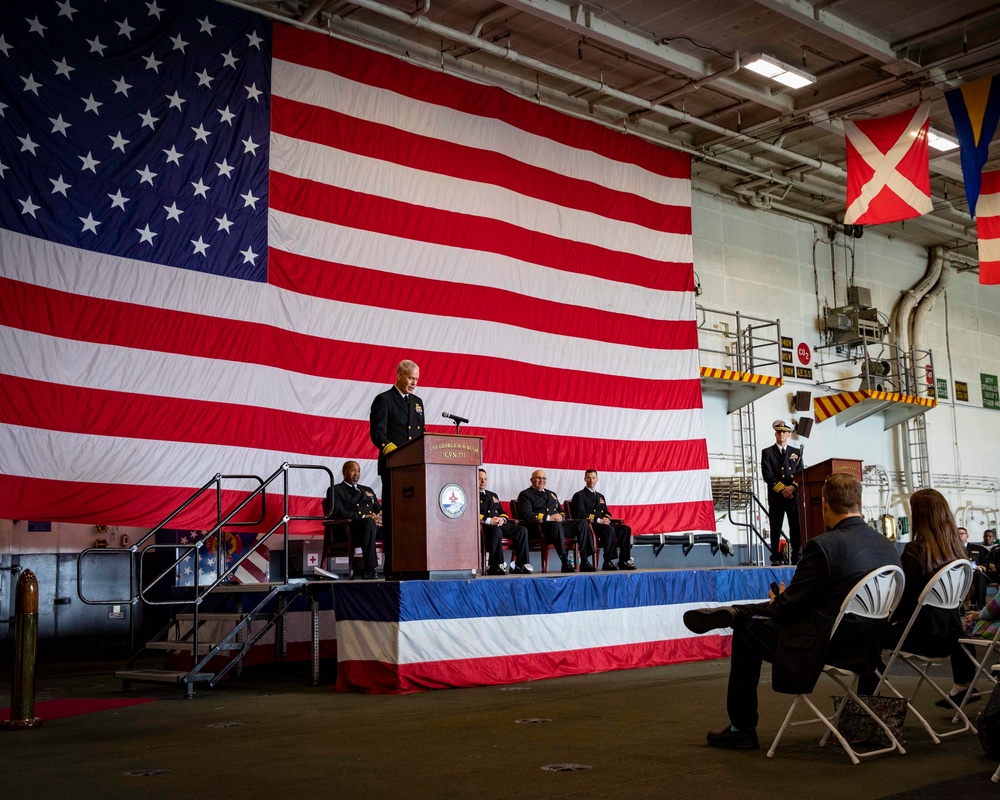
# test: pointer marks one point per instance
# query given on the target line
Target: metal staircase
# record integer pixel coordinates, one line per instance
(218, 604)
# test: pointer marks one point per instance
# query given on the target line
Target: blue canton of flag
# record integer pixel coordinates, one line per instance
(138, 130)
(207, 562)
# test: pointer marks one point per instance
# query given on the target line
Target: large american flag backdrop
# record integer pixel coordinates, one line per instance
(220, 236)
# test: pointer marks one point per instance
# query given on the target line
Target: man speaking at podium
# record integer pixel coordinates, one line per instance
(397, 417)
(779, 464)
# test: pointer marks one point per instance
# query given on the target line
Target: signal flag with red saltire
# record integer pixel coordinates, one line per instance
(888, 168)
(988, 228)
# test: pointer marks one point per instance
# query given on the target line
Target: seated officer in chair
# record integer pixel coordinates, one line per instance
(615, 536)
(541, 504)
(495, 525)
(357, 503)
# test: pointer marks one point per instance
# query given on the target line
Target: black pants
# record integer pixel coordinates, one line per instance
(556, 533)
(962, 669)
(754, 642)
(493, 536)
(363, 534)
(778, 508)
(386, 523)
(979, 585)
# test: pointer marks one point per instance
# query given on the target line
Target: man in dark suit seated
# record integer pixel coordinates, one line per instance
(979, 556)
(538, 503)
(496, 524)
(792, 631)
(615, 537)
(357, 503)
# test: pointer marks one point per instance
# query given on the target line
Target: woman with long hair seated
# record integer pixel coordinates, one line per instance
(936, 631)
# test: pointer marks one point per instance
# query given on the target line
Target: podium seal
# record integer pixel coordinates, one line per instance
(452, 501)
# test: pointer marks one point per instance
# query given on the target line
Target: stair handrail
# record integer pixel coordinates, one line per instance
(200, 593)
(749, 523)
(217, 531)
(134, 548)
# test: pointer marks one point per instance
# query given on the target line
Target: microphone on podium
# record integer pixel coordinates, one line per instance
(454, 418)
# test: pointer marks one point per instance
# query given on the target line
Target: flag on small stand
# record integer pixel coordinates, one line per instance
(253, 570)
(975, 110)
(888, 168)
(988, 228)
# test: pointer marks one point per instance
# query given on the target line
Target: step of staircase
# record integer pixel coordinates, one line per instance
(203, 647)
(160, 675)
(211, 617)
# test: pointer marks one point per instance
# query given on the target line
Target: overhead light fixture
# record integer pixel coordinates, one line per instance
(770, 67)
(941, 141)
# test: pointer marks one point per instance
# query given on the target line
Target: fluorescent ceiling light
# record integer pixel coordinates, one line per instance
(941, 141)
(770, 67)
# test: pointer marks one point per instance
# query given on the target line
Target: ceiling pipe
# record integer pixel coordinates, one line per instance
(314, 8)
(919, 315)
(910, 298)
(961, 22)
(695, 85)
(501, 14)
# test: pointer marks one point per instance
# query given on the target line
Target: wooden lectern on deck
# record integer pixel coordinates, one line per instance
(811, 505)
(435, 507)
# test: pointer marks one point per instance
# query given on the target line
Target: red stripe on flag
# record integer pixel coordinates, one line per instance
(146, 506)
(370, 139)
(164, 330)
(305, 198)
(95, 412)
(374, 69)
(356, 285)
(378, 677)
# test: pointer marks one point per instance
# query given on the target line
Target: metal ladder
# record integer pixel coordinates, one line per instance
(918, 465)
(749, 456)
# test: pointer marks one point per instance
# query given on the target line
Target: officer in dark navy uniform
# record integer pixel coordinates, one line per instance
(779, 467)
(615, 537)
(357, 503)
(538, 503)
(495, 525)
(397, 417)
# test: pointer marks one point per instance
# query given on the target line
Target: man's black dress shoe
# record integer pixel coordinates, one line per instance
(734, 740)
(567, 567)
(703, 620)
(517, 569)
(369, 574)
(630, 564)
(609, 566)
(586, 566)
(956, 698)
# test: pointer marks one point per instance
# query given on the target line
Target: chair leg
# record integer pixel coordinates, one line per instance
(784, 725)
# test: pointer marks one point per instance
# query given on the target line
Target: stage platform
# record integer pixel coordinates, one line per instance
(398, 637)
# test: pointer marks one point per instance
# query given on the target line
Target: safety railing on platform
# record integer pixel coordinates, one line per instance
(749, 503)
(139, 551)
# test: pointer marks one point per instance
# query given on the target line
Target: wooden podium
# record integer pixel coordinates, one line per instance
(435, 506)
(811, 502)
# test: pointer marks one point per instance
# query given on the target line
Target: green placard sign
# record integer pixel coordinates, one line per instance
(942, 388)
(991, 392)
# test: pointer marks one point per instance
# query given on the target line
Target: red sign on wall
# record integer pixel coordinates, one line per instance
(804, 353)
